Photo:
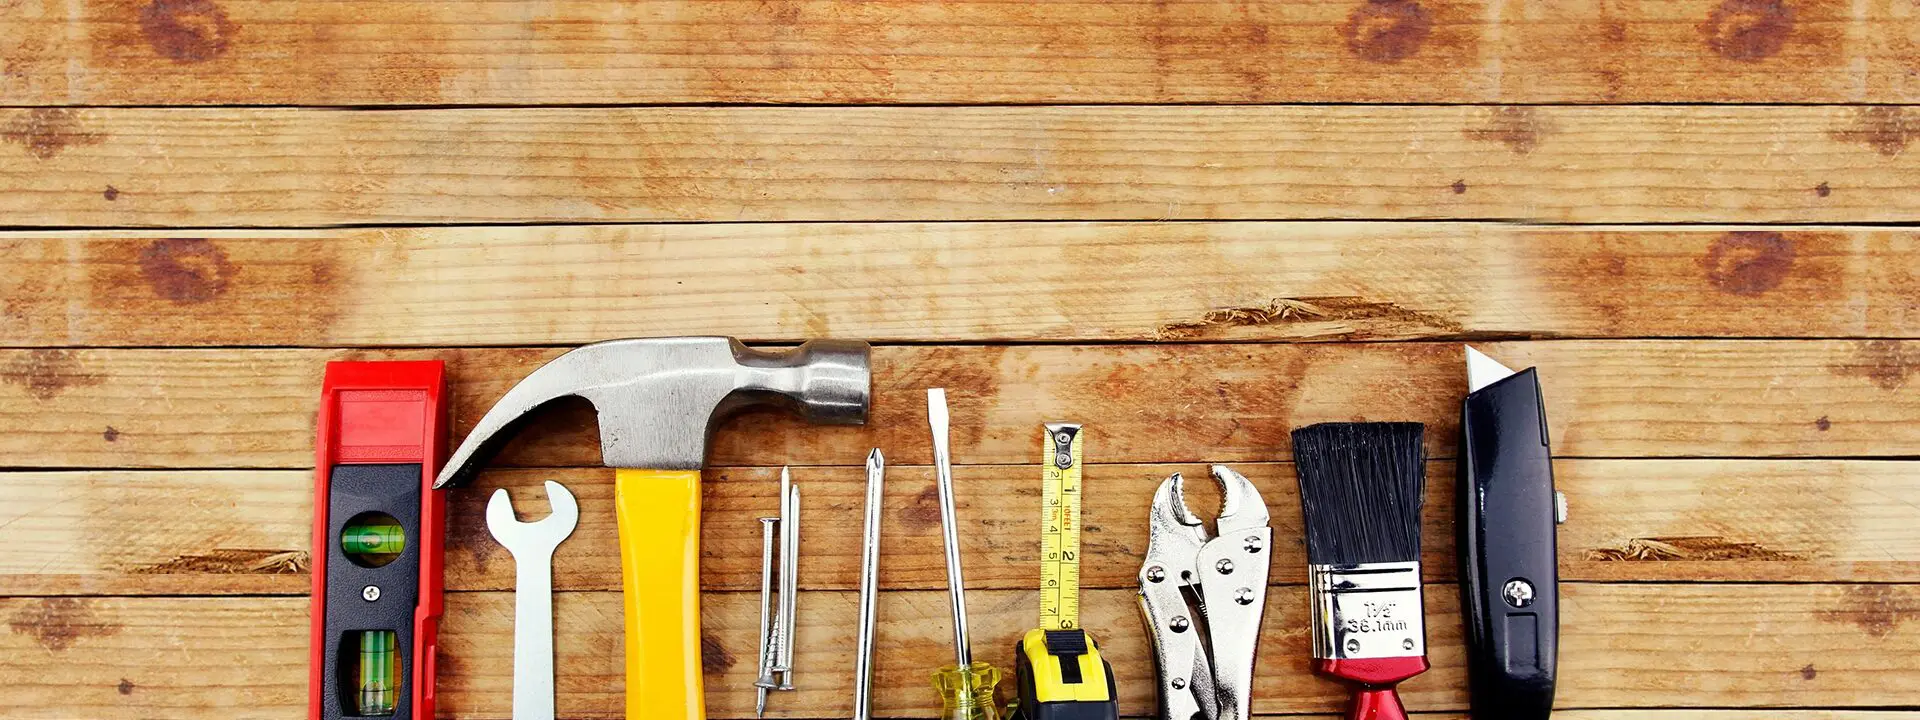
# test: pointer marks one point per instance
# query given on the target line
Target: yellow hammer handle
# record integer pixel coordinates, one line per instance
(659, 514)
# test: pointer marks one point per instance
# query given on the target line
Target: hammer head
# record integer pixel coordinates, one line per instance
(659, 398)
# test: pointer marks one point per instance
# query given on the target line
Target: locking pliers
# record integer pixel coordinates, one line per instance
(1226, 575)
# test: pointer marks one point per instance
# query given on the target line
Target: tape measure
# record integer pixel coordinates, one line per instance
(1060, 529)
(1059, 670)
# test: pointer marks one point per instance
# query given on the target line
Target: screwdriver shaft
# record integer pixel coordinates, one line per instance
(869, 589)
(949, 530)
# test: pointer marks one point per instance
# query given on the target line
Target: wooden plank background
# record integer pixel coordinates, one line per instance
(1191, 224)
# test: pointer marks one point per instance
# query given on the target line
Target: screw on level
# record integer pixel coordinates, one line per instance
(1253, 544)
(1178, 624)
(370, 592)
(1244, 596)
(1353, 645)
(1407, 643)
(1156, 574)
(1225, 566)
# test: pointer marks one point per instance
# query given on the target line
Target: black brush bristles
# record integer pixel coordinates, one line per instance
(1361, 488)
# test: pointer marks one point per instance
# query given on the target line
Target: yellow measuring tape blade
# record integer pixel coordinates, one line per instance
(1060, 528)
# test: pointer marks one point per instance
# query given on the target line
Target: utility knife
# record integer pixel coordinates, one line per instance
(1509, 584)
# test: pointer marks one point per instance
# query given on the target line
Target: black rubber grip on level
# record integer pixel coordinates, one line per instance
(352, 490)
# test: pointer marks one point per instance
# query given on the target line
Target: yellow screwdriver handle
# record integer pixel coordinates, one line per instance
(659, 515)
(968, 694)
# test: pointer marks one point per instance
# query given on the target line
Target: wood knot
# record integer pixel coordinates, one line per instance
(1747, 262)
(186, 31)
(1748, 30)
(1387, 31)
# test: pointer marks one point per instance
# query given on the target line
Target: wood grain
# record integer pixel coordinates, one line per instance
(228, 167)
(1129, 212)
(985, 51)
(1624, 646)
(253, 408)
(247, 532)
(952, 282)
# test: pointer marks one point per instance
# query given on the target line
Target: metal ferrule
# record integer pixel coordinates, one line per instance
(1365, 611)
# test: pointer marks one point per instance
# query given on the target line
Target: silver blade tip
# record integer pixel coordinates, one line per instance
(1482, 370)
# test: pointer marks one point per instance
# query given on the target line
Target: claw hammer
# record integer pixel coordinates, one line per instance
(658, 400)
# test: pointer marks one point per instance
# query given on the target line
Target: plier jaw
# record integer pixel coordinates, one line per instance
(1195, 581)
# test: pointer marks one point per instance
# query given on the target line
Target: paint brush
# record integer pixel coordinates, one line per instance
(1361, 490)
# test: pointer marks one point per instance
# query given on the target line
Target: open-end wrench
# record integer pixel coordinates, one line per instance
(531, 545)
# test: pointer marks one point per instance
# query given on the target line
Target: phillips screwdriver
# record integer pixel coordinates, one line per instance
(869, 590)
(967, 687)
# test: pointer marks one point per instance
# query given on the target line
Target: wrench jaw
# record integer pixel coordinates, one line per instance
(1173, 531)
(500, 515)
(541, 535)
(1172, 499)
(1241, 507)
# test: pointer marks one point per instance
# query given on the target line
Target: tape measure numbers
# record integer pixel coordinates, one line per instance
(1060, 529)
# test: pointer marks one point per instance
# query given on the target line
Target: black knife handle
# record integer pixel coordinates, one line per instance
(1506, 525)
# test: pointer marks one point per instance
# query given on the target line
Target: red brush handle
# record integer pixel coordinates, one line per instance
(1374, 696)
(1377, 704)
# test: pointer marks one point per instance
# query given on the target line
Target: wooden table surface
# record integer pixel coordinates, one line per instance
(1190, 224)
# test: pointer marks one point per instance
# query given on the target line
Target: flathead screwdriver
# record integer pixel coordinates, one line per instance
(967, 688)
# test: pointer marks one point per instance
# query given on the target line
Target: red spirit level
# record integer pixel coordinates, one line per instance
(378, 540)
